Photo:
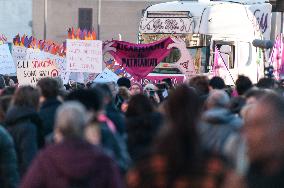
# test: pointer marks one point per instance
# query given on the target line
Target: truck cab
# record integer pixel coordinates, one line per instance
(230, 26)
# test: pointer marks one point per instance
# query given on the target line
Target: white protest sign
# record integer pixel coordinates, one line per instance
(19, 53)
(106, 76)
(61, 65)
(35, 54)
(7, 65)
(84, 56)
(30, 71)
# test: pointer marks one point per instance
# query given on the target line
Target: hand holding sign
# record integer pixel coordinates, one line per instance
(185, 63)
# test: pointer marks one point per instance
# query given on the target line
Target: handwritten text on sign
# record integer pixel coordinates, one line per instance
(29, 72)
(7, 65)
(84, 56)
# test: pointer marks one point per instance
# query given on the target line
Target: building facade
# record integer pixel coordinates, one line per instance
(15, 17)
(117, 17)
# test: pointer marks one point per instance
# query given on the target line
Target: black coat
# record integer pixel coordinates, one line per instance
(47, 114)
(9, 176)
(116, 117)
(25, 127)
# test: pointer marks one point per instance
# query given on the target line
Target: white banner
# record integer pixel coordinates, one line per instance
(106, 76)
(29, 72)
(19, 53)
(84, 56)
(7, 65)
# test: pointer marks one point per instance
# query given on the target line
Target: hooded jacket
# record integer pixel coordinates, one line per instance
(24, 125)
(9, 176)
(220, 133)
(72, 163)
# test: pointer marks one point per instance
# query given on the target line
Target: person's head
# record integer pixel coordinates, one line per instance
(217, 83)
(150, 90)
(92, 99)
(124, 82)
(139, 105)
(26, 96)
(264, 128)
(183, 106)
(169, 82)
(4, 105)
(135, 89)
(124, 93)
(217, 99)
(8, 91)
(267, 83)
(70, 121)
(201, 84)
(243, 84)
(2, 82)
(254, 94)
(49, 87)
(106, 92)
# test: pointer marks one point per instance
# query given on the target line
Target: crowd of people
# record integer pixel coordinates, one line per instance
(199, 134)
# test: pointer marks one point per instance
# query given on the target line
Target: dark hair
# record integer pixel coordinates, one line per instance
(8, 91)
(217, 83)
(2, 82)
(104, 88)
(266, 83)
(49, 87)
(26, 96)
(180, 143)
(169, 82)
(243, 84)
(139, 105)
(201, 84)
(91, 98)
(255, 92)
(124, 82)
(4, 105)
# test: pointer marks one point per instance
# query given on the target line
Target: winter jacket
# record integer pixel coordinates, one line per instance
(47, 114)
(116, 145)
(72, 163)
(116, 117)
(9, 176)
(220, 133)
(141, 132)
(24, 125)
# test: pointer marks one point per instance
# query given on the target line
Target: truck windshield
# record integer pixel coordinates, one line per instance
(200, 56)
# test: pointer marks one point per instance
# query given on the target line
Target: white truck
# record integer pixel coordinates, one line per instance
(229, 25)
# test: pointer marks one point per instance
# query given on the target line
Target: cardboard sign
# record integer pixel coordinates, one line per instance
(19, 53)
(106, 76)
(7, 65)
(84, 56)
(61, 65)
(29, 72)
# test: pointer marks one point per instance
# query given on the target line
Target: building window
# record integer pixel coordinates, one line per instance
(86, 18)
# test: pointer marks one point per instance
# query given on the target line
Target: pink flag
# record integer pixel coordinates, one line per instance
(140, 59)
(221, 69)
(276, 58)
(216, 62)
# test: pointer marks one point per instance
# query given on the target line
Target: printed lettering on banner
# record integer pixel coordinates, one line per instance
(7, 65)
(29, 72)
(84, 56)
